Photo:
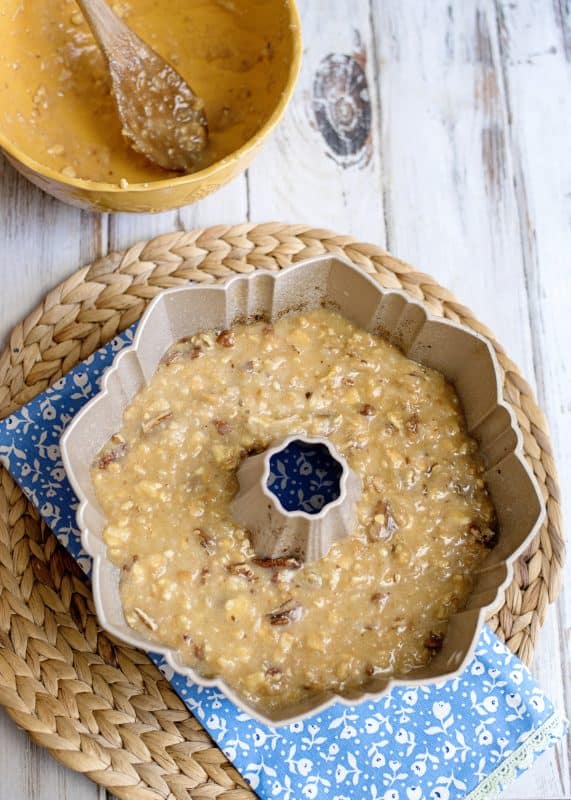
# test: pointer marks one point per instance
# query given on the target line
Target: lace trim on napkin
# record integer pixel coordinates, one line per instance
(521, 759)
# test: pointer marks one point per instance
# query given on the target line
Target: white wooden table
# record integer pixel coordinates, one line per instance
(466, 173)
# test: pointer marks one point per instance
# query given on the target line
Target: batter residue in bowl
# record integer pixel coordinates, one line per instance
(55, 101)
(378, 603)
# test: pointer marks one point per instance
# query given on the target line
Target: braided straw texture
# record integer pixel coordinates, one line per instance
(100, 707)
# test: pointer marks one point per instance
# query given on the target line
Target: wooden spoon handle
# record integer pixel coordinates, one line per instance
(106, 26)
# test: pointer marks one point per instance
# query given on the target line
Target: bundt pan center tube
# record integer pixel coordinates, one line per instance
(296, 498)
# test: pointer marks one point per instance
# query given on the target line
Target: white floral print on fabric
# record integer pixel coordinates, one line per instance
(464, 737)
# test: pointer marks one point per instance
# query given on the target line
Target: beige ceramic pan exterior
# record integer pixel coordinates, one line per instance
(464, 357)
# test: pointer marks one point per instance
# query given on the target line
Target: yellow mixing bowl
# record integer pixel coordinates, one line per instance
(58, 126)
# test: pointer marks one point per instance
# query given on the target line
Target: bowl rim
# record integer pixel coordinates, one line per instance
(85, 184)
(97, 550)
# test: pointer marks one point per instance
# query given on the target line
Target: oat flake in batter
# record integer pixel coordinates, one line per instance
(378, 603)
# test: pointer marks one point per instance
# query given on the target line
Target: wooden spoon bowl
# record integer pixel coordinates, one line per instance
(161, 116)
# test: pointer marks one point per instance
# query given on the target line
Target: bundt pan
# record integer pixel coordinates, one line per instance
(467, 360)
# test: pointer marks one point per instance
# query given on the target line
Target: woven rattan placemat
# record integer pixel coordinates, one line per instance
(100, 707)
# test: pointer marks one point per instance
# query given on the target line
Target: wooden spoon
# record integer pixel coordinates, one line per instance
(162, 117)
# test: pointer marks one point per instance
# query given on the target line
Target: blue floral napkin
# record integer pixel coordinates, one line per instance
(463, 738)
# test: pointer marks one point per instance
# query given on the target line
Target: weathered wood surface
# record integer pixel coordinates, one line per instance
(450, 146)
